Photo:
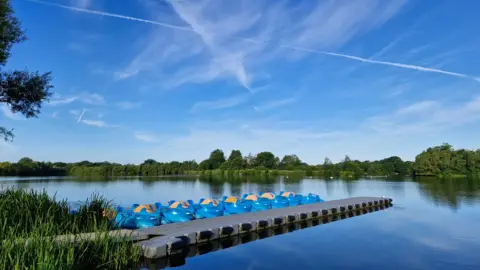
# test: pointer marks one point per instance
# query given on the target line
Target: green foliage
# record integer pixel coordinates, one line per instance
(438, 161)
(235, 161)
(444, 161)
(35, 217)
(20, 90)
(265, 159)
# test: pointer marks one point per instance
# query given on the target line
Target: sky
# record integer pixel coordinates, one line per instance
(176, 79)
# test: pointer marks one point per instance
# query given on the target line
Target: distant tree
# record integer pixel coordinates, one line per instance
(217, 158)
(20, 90)
(235, 161)
(150, 161)
(265, 159)
(249, 160)
(290, 162)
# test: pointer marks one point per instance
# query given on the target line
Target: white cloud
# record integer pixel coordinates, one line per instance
(75, 112)
(96, 123)
(220, 104)
(61, 101)
(330, 24)
(419, 107)
(372, 138)
(128, 105)
(54, 114)
(233, 43)
(425, 117)
(87, 98)
(7, 112)
(274, 104)
(120, 75)
(92, 98)
(145, 137)
(82, 3)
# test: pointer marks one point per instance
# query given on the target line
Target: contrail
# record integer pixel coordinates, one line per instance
(81, 116)
(295, 48)
(393, 64)
(113, 15)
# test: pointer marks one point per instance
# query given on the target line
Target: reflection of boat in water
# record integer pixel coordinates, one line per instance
(177, 212)
(234, 205)
(257, 203)
(208, 208)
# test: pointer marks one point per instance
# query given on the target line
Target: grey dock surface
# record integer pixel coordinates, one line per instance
(168, 239)
(179, 258)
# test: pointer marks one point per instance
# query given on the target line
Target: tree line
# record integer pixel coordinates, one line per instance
(435, 161)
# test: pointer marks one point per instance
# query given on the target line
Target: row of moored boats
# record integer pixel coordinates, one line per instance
(149, 215)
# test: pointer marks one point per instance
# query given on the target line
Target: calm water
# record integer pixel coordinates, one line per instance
(434, 224)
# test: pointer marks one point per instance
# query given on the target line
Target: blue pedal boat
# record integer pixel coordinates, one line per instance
(277, 201)
(311, 198)
(177, 212)
(141, 216)
(293, 199)
(257, 203)
(234, 205)
(208, 208)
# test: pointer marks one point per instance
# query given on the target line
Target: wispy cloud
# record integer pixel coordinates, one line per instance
(61, 101)
(220, 104)
(274, 104)
(81, 3)
(54, 114)
(126, 105)
(7, 112)
(95, 123)
(327, 25)
(88, 98)
(145, 137)
(418, 108)
(425, 117)
(90, 122)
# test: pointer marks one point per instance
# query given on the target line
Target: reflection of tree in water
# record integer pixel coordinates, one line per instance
(350, 186)
(451, 192)
(240, 184)
(330, 186)
(217, 189)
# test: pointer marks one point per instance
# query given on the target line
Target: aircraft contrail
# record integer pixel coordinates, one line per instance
(81, 116)
(113, 15)
(295, 48)
(393, 64)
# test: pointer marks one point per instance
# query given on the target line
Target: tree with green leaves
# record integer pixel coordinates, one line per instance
(290, 162)
(20, 90)
(265, 159)
(234, 162)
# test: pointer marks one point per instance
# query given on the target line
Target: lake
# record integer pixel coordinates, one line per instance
(433, 224)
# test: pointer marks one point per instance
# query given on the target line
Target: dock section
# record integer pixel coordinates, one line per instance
(179, 257)
(169, 239)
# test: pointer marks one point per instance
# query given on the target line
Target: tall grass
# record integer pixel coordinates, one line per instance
(30, 219)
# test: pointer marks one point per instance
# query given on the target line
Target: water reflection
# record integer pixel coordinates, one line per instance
(180, 257)
(440, 192)
(450, 192)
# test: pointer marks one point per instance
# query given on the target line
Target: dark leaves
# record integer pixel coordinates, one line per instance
(25, 91)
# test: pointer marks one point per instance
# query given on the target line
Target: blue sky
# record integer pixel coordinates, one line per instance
(173, 80)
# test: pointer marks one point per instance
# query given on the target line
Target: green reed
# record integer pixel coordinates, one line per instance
(30, 219)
